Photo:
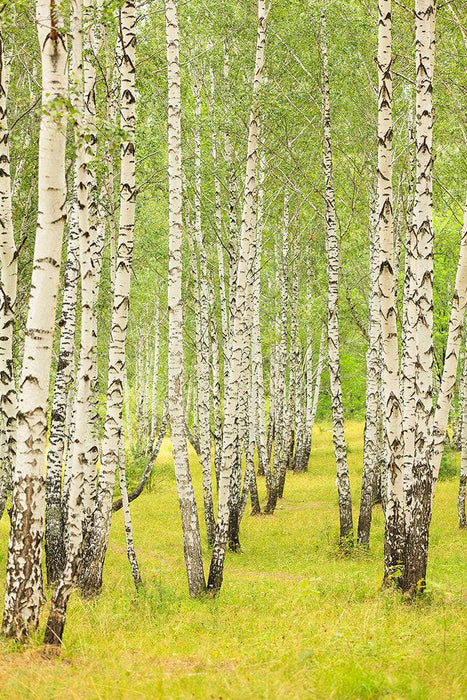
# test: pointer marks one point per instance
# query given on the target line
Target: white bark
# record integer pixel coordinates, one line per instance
(203, 348)
(280, 369)
(155, 374)
(461, 512)
(186, 496)
(130, 546)
(54, 542)
(394, 533)
(449, 378)
(218, 221)
(241, 315)
(259, 417)
(8, 285)
(91, 580)
(127, 408)
(371, 448)
(332, 248)
(24, 575)
(421, 486)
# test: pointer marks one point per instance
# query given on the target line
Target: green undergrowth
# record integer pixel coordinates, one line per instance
(296, 618)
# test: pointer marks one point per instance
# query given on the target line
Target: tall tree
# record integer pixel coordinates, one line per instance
(371, 435)
(203, 349)
(332, 248)
(241, 314)
(24, 593)
(8, 289)
(186, 495)
(395, 509)
(419, 493)
(93, 562)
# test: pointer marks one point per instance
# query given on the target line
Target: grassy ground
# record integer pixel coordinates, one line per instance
(294, 620)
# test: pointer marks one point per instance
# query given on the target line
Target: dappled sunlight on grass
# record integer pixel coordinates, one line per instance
(294, 620)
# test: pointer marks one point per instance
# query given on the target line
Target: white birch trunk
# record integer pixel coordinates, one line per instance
(319, 372)
(24, 575)
(242, 314)
(186, 496)
(203, 348)
(155, 375)
(127, 408)
(216, 396)
(312, 397)
(130, 546)
(461, 512)
(91, 579)
(332, 248)
(280, 395)
(54, 542)
(8, 285)
(218, 222)
(294, 359)
(259, 417)
(449, 378)
(394, 531)
(420, 489)
(371, 448)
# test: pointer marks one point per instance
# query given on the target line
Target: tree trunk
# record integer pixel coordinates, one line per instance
(216, 394)
(155, 376)
(449, 378)
(463, 474)
(241, 316)
(395, 521)
(273, 484)
(420, 491)
(256, 350)
(54, 542)
(24, 574)
(8, 285)
(186, 496)
(293, 363)
(203, 349)
(130, 546)
(332, 247)
(371, 436)
(91, 578)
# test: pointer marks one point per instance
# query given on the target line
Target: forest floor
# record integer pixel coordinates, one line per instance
(294, 620)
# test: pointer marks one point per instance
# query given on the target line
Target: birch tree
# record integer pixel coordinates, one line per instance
(395, 508)
(258, 410)
(332, 248)
(241, 313)
(371, 434)
(93, 562)
(203, 354)
(186, 496)
(419, 494)
(24, 594)
(461, 511)
(54, 541)
(8, 289)
(280, 368)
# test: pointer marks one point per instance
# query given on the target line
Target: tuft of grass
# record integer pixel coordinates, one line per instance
(293, 620)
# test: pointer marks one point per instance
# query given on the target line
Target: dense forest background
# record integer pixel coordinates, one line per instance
(292, 144)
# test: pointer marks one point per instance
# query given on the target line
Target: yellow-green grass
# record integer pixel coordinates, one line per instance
(294, 619)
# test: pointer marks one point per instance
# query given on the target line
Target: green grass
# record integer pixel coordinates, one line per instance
(294, 619)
